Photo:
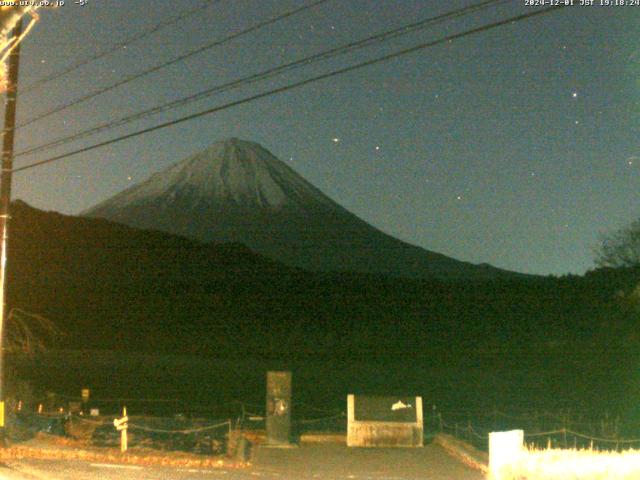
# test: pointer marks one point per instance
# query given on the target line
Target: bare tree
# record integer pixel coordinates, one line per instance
(28, 332)
(25, 333)
(620, 248)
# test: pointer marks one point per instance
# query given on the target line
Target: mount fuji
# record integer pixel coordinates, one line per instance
(237, 191)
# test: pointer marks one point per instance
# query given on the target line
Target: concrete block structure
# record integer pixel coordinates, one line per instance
(375, 421)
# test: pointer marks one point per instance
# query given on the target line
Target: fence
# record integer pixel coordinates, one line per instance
(244, 414)
(200, 436)
(203, 429)
(305, 418)
(542, 430)
(207, 433)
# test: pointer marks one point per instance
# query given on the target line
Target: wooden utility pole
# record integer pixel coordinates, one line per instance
(5, 201)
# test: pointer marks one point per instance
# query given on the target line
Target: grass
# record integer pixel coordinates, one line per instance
(573, 464)
(50, 447)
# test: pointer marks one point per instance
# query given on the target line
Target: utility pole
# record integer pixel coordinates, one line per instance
(5, 202)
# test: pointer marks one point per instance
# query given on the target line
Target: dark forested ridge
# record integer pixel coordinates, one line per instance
(110, 286)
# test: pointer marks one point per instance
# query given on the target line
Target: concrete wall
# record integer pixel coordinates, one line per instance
(362, 433)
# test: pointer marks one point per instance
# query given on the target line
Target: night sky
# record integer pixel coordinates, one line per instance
(517, 147)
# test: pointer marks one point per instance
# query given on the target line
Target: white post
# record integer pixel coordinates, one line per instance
(351, 417)
(420, 421)
(122, 425)
(123, 432)
(505, 448)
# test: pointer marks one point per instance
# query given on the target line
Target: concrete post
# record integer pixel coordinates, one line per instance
(278, 421)
(505, 448)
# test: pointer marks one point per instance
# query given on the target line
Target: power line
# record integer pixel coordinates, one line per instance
(298, 84)
(175, 60)
(118, 46)
(304, 62)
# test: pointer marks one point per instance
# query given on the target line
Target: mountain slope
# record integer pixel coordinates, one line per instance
(236, 191)
(109, 286)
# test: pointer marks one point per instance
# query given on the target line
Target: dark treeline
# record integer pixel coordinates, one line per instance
(111, 287)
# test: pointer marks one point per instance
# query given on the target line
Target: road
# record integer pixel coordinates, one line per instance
(308, 462)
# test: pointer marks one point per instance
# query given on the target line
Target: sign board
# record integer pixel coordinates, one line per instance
(376, 421)
(278, 409)
(121, 423)
(385, 409)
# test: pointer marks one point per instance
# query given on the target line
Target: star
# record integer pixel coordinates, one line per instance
(336, 140)
(129, 178)
(459, 197)
(574, 94)
(377, 147)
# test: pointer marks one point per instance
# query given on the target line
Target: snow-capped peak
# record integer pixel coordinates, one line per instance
(230, 171)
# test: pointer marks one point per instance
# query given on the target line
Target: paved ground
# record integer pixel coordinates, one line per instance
(320, 461)
(335, 461)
